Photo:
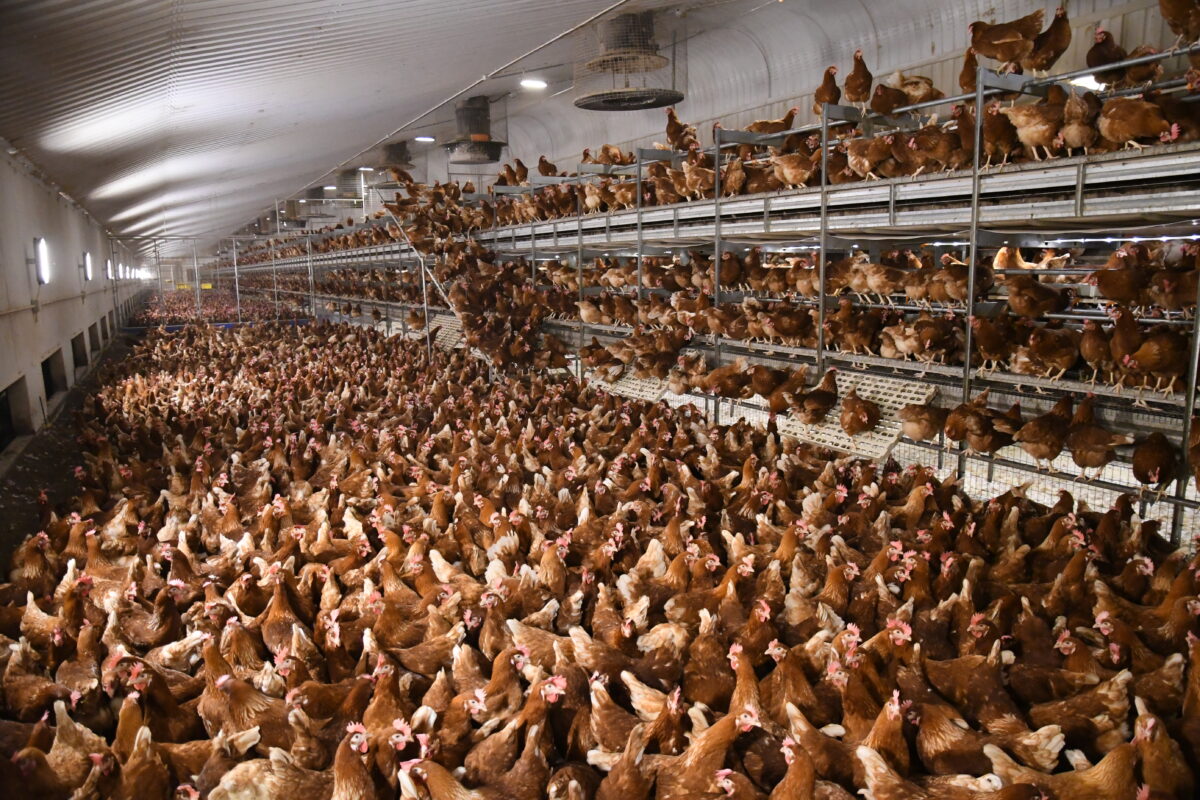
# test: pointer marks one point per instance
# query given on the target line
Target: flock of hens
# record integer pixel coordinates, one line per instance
(179, 307)
(321, 562)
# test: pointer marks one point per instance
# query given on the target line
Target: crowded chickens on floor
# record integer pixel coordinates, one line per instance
(182, 307)
(317, 561)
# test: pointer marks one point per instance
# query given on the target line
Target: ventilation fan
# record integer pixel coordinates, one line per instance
(474, 144)
(395, 154)
(632, 61)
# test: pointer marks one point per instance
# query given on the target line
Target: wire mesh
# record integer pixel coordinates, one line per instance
(631, 60)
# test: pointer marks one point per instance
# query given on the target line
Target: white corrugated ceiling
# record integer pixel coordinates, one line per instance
(185, 118)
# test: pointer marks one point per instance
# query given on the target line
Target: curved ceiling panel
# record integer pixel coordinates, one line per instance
(187, 117)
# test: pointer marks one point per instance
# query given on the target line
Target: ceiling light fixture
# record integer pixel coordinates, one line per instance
(42, 258)
(87, 266)
(329, 188)
(423, 139)
(301, 200)
(366, 169)
(536, 84)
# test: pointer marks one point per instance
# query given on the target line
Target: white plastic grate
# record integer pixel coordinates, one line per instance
(649, 389)
(890, 394)
(450, 332)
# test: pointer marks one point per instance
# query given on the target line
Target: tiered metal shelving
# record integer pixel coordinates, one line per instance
(1127, 194)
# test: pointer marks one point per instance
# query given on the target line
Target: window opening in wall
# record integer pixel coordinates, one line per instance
(94, 337)
(15, 419)
(54, 374)
(8, 428)
(79, 353)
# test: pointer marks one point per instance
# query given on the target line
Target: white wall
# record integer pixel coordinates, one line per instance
(35, 321)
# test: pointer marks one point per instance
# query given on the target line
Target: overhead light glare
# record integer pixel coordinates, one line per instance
(301, 200)
(533, 83)
(366, 169)
(1087, 82)
(42, 256)
(329, 188)
(425, 139)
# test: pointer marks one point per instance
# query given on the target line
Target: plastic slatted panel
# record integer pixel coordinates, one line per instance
(890, 394)
(648, 389)
(450, 330)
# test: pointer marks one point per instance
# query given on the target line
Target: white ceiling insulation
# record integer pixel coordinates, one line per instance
(186, 118)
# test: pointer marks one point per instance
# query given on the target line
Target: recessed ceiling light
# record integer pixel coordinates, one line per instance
(423, 139)
(329, 188)
(366, 169)
(533, 83)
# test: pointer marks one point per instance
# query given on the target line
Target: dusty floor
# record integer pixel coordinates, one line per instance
(47, 463)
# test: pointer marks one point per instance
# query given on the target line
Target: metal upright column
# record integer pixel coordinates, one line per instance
(1193, 373)
(822, 242)
(533, 256)
(158, 269)
(972, 249)
(312, 284)
(114, 285)
(196, 275)
(716, 339)
(274, 282)
(387, 300)
(425, 309)
(973, 244)
(640, 243)
(237, 292)
(579, 275)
